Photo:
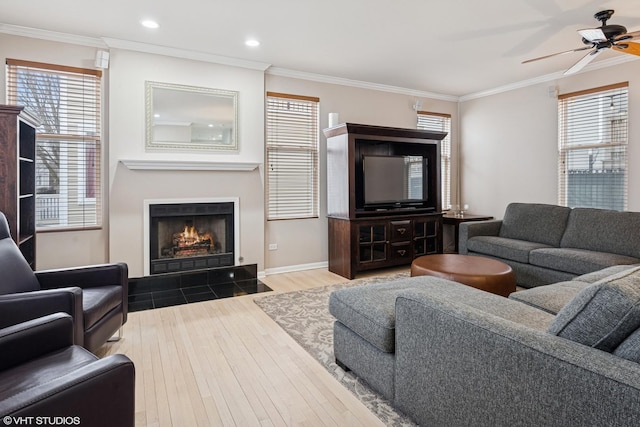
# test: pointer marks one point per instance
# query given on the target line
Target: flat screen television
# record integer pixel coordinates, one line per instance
(394, 181)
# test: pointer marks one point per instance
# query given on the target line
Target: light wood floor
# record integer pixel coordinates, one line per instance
(226, 363)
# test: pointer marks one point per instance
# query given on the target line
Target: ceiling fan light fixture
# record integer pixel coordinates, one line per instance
(598, 39)
(593, 35)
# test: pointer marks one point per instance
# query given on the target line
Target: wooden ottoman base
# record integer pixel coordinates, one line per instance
(483, 273)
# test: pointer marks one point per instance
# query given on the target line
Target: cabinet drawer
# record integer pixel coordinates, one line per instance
(401, 251)
(400, 230)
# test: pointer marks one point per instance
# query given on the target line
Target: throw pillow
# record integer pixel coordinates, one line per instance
(603, 314)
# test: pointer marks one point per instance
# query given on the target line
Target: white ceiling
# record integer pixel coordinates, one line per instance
(450, 47)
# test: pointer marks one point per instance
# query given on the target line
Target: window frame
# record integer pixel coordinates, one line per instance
(281, 143)
(77, 127)
(446, 158)
(612, 139)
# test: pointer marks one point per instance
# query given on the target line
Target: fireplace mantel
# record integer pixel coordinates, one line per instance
(187, 165)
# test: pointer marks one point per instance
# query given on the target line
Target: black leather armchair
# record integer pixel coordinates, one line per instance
(95, 296)
(45, 376)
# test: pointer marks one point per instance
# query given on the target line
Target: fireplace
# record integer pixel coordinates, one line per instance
(190, 236)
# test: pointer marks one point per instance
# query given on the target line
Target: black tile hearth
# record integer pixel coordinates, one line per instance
(164, 290)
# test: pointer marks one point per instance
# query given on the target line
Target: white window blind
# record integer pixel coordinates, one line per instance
(442, 123)
(592, 141)
(292, 156)
(68, 146)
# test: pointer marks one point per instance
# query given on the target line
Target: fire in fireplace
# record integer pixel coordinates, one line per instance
(190, 242)
(190, 236)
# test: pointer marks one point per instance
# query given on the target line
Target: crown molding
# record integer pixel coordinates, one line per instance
(55, 36)
(321, 78)
(549, 77)
(183, 53)
(106, 42)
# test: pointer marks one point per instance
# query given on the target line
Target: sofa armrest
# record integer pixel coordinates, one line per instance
(84, 276)
(29, 340)
(471, 229)
(88, 277)
(25, 306)
(460, 365)
(101, 393)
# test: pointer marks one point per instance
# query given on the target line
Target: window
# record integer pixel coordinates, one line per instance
(442, 123)
(592, 163)
(292, 156)
(67, 101)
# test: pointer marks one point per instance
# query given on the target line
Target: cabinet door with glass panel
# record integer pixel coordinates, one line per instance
(372, 239)
(426, 238)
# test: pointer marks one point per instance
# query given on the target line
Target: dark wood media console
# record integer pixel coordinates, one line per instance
(365, 235)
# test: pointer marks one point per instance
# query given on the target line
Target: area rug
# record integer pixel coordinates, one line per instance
(305, 316)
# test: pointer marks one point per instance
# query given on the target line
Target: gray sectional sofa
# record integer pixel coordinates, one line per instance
(446, 354)
(545, 244)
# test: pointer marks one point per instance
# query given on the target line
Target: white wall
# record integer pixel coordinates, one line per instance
(509, 141)
(300, 243)
(129, 188)
(508, 150)
(68, 248)
(304, 242)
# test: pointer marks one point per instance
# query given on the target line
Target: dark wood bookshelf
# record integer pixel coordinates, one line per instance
(17, 176)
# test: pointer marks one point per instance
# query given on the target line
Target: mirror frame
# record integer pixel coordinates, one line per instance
(191, 145)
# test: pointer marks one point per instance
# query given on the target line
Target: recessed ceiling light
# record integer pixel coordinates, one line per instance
(148, 23)
(252, 43)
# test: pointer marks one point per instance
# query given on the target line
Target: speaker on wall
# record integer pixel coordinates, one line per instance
(102, 59)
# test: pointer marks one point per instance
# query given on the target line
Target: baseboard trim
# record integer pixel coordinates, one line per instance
(292, 268)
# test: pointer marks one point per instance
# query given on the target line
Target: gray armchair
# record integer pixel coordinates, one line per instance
(44, 375)
(95, 296)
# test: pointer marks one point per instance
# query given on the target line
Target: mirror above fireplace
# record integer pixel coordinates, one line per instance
(180, 117)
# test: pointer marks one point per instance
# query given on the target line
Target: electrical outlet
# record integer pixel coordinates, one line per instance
(273, 246)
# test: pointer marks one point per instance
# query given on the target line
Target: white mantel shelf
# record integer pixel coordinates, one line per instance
(188, 165)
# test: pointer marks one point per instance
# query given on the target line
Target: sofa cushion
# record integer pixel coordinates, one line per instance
(630, 348)
(576, 261)
(369, 311)
(603, 231)
(98, 301)
(550, 298)
(535, 222)
(502, 247)
(603, 314)
(605, 272)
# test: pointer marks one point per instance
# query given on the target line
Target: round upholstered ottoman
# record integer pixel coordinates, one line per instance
(483, 273)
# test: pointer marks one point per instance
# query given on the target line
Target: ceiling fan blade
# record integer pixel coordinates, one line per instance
(632, 48)
(557, 54)
(583, 62)
(634, 35)
(627, 37)
(593, 34)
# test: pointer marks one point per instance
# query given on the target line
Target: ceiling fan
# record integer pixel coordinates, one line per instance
(597, 39)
